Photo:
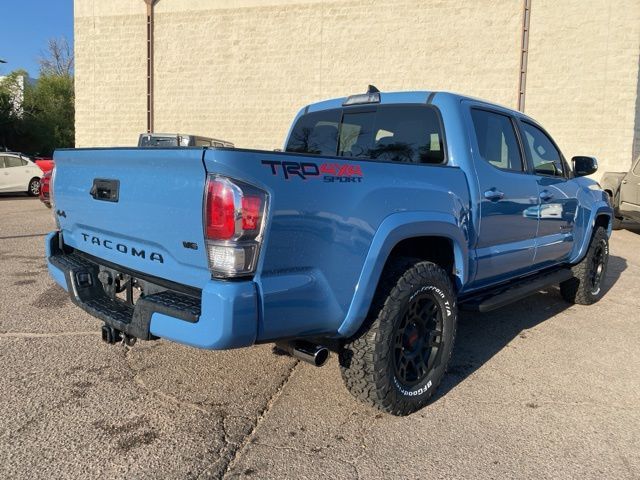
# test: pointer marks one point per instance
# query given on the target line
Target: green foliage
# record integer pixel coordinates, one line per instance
(44, 121)
(10, 121)
(49, 112)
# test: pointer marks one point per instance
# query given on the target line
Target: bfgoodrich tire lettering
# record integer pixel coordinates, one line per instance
(399, 357)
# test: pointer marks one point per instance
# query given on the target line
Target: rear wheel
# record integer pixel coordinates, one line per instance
(398, 359)
(585, 287)
(34, 187)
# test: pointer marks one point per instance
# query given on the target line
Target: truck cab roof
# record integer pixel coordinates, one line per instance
(415, 96)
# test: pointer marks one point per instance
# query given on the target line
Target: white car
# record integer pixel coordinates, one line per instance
(19, 174)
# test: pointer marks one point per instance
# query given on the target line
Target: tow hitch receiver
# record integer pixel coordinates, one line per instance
(112, 336)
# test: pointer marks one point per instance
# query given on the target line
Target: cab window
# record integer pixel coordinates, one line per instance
(316, 133)
(497, 141)
(545, 157)
(393, 133)
(383, 133)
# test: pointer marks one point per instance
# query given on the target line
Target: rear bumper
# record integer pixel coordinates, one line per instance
(223, 316)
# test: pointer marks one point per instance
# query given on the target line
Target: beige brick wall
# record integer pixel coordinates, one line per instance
(248, 70)
(583, 76)
(110, 73)
(240, 70)
(241, 73)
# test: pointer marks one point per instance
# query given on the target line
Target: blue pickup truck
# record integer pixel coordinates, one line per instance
(384, 214)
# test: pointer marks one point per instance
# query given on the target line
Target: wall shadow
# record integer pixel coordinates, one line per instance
(482, 335)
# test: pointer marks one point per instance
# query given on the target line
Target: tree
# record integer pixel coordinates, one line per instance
(44, 120)
(11, 101)
(58, 59)
(49, 113)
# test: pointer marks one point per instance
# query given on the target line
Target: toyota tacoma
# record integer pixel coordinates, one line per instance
(384, 214)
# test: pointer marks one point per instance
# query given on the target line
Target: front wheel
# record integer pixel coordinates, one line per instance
(399, 357)
(585, 288)
(34, 187)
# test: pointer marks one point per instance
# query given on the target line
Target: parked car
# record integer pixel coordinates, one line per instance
(45, 163)
(19, 174)
(385, 213)
(179, 140)
(624, 190)
(45, 193)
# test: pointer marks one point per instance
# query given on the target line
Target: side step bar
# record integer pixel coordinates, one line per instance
(502, 296)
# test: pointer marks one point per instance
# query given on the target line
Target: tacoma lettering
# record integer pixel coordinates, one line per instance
(122, 248)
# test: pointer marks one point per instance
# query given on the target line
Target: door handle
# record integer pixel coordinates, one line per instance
(546, 195)
(493, 194)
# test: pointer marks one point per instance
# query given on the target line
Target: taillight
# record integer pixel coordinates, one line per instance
(233, 224)
(221, 211)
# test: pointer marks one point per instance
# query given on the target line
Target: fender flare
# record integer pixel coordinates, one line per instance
(393, 229)
(599, 208)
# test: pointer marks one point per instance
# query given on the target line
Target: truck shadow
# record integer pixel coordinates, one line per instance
(481, 336)
(16, 196)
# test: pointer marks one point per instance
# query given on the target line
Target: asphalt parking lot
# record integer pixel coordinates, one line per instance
(540, 389)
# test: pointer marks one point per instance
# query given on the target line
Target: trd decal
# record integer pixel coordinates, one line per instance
(292, 169)
(330, 172)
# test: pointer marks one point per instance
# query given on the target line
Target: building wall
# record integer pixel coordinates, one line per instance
(583, 77)
(110, 71)
(242, 72)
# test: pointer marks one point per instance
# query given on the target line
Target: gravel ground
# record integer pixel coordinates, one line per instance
(540, 389)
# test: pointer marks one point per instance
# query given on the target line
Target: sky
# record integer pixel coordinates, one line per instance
(25, 28)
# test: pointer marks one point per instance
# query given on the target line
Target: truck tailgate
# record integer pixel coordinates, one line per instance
(137, 208)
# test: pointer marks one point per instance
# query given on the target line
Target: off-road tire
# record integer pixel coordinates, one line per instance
(581, 288)
(369, 361)
(33, 190)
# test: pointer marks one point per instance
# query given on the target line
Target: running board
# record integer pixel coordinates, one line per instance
(507, 294)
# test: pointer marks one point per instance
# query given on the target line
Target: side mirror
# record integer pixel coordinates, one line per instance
(584, 165)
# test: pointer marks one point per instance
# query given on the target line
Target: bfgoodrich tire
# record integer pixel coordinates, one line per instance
(585, 288)
(397, 360)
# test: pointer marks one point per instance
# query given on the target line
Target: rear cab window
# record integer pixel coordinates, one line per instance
(384, 133)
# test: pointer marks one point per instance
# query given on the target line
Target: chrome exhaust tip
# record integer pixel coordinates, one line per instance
(316, 355)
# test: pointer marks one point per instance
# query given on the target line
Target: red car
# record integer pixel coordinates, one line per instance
(45, 163)
(45, 180)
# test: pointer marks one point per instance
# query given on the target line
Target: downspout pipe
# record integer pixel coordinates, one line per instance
(524, 53)
(150, 4)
